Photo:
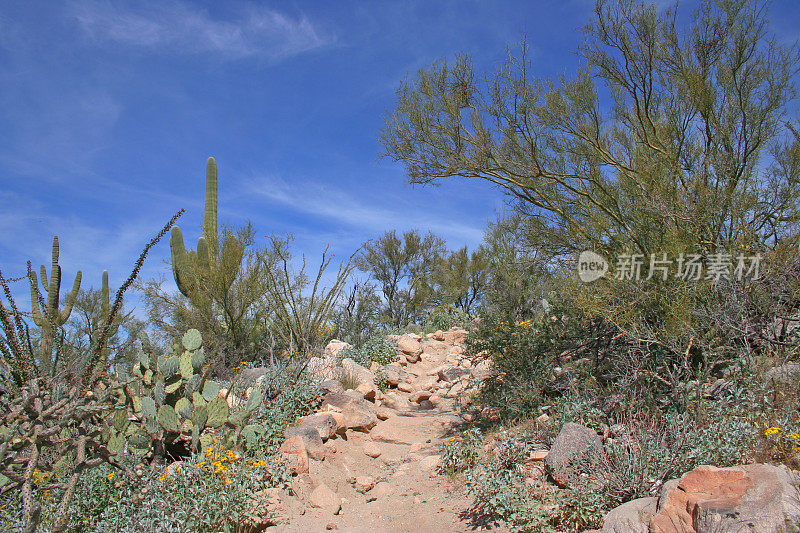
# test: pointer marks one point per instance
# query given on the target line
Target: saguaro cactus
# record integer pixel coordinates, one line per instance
(191, 267)
(48, 316)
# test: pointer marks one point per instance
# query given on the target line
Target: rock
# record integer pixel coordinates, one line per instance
(368, 390)
(311, 440)
(330, 449)
(708, 499)
(405, 387)
(383, 413)
(438, 336)
(631, 517)
(382, 490)
(542, 419)
(335, 348)
(455, 336)
(372, 450)
(364, 484)
(396, 402)
(428, 383)
(431, 462)
(393, 374)
(294, 452)
(357, 414)
(574, 448)
(409, 345)
(413, 358)
(321, 369)
(331, 385)
(787, 375)
(539, 455)
(426, 405)
(458, 388)
(482, 370)
(324, 498)
(231, 398)
(454, 374)
(331, 526)
(419, 396)
(325, 424)
(256, 375)
(360, 374)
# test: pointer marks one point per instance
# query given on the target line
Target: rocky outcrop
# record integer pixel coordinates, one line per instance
(755, 497)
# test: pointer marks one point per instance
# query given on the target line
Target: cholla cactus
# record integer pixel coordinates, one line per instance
(50, 435)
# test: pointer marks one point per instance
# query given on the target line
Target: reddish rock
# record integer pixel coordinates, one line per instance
(294, 452)
(710, 499)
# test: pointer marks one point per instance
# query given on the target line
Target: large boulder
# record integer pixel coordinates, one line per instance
(575, 449)
(357, 414)
(453, 374)
(311, 440)
(631, 517)
(323, 423)
(324, 498)
(482, 370)
(755, 497)
(357, 372)
(409, 344)
(393, 374)
(455, 336)
(335, 348)
(294, 453)
(254, 376)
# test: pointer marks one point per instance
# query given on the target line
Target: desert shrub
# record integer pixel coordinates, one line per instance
(210, 492)
(297, 396)
(582, 506)
(446, 317)
(523, 356)
(500, 493)
(461, 452)
(376, 349)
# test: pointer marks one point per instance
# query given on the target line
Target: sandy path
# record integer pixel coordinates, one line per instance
(408, 496)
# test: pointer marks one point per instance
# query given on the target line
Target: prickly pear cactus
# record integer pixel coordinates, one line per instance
(170, 398)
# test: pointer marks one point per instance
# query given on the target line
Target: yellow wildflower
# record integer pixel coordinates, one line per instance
(110, 476)
(772, 431)
(794, 436)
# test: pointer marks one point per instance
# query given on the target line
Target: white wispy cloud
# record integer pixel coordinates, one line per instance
(363, 212)
(183, 28)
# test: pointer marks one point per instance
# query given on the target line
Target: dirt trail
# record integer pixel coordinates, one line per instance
(408, 495)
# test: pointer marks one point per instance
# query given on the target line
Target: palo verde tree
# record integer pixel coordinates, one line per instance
(692, 151)
(403, 268)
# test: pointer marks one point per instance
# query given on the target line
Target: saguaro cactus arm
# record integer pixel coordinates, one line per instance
(210, 214)
(50, 314)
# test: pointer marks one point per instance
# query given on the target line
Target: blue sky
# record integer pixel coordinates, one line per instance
(109, 109)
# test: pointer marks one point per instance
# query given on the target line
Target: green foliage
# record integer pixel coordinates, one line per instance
(523, 355)
(301, 319)
(298, 396)
(444, 318)
(460, 279)
(376, 349)
(170, 408)
(357, 317)
(624, 174)
(403, 268)
(500, 493)
(460, 453)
